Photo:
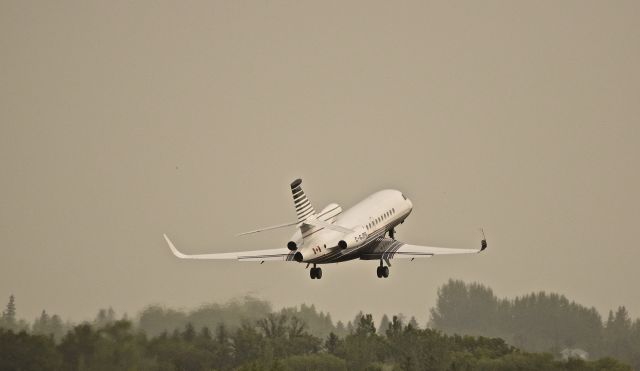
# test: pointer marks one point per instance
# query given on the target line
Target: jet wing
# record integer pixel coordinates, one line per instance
(282, 254)
(386, 248)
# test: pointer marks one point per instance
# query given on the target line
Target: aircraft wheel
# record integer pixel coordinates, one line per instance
(312, 273)
(379, 272)
(318, 273)
(385, 272)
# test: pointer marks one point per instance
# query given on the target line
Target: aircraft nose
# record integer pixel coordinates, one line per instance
(298, 257)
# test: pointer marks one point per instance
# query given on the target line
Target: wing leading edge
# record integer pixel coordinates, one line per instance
(282, 254)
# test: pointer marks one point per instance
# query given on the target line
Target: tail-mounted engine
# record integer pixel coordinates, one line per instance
(353, 239)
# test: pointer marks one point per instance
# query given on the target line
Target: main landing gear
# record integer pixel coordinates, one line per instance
(382, 271)
(315, 273)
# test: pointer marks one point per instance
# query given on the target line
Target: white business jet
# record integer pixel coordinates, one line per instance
(334, 235)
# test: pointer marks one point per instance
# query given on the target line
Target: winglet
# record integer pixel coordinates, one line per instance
(173, 248)
(483, 243)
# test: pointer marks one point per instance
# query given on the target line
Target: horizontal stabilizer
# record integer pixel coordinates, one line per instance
(269, 228)
(334, 227)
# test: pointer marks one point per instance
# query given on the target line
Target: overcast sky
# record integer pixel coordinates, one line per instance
(122, 121)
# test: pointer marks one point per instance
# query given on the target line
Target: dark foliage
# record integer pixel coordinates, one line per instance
(248, 335)
(276, 342)
(538, 322)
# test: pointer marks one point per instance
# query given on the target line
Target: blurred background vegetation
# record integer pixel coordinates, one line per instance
(469, 329)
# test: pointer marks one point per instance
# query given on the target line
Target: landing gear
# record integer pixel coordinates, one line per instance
(315, 273)
(382, 271)
(392, 233)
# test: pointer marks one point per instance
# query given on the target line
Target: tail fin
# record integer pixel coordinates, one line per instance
(302, 204)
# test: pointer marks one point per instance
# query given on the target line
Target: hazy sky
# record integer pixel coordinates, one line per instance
(123, 120)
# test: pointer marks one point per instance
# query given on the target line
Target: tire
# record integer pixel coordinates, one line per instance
(385, 272)
(318, 273)
(312, 273)
(379, 272)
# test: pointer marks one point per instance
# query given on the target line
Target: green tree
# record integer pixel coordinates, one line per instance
(314, 362)
(618, 335)
(365, 326)
(395, 328)
(413, 323)
(104, 318)
(535, 322)
(248, 344)
(189, 333)
(9, 315)
(21, 351)
(119, 347)
(79, 347)
(363, 348)
(333, 343)
(56, 327)
(41, 324)
(224, 348)
(384, 324)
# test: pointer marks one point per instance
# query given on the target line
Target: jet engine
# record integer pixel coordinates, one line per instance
(353, 239)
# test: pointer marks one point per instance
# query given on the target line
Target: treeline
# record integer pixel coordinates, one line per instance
(248, 334)
(538, 322)
(155, 319)
(276, 342)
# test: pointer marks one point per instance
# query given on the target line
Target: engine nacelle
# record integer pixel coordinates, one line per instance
(353, 239)
(292, 246)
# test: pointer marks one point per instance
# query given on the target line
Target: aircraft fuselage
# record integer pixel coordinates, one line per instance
(370, 219)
